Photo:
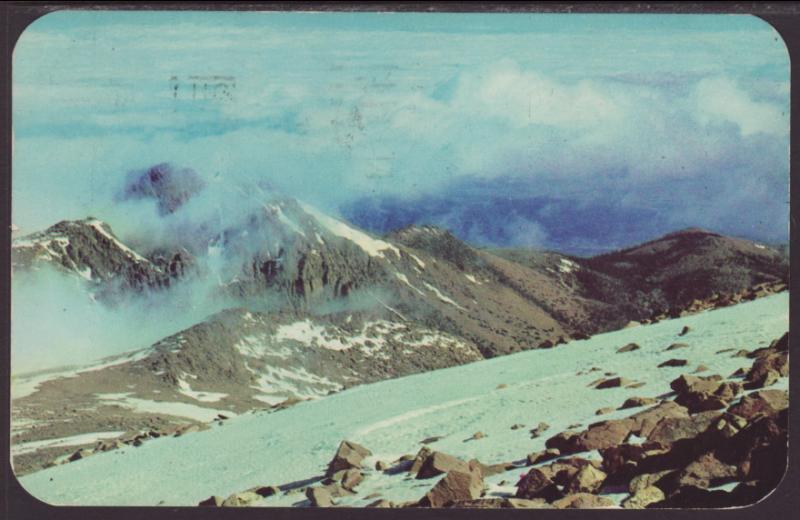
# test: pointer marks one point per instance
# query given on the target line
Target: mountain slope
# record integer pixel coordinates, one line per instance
(319, 306)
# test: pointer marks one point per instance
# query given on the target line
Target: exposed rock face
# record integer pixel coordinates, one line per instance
(643, 497)
(89, 250)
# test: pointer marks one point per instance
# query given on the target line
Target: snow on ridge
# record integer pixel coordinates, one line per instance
(308, 333)
(442, 296)
(567, 266)
(206, 397)
(276, 210)
(417, 260)
(191, 411)
(472, 279)
(403, 278)
(372, 246)
(98, 226)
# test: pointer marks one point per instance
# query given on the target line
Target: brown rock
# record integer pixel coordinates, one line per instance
(477, 435)
(643, 498)
(543, 456)
(266, 491)
(630, 347)
(421, 456)
(646, 420)
(212, 501)
(603, 411)
(349, 455)
(583, 501)
(645, 480)
(587, 480)
(456, 485)
(517, 426)
(764, 402)
(351, 478)
(637, 384)
(674, 363)
(523, 503)
(761, 378)
(685, 330)
(537, 484)
(700, 368)
(382, 466)
(672, 429)
(437, 463)
(614, 382)
(676, 346)
(319, 496)
(243, 499)
(706, 471)
(636, 402)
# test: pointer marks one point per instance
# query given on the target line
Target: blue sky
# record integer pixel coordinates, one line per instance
(579, 132)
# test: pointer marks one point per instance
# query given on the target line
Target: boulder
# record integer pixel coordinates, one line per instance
(630, 347)
(382, 465)
(455, 486)
(565, 442)
(672, 429)
(687, 383)
(319, 496)
(437, 463)
(212, 501)
(685, 330)
(614, 382)
(704, 472)
(349, 455)
(588, 479)
(700, 368)
(603, 435)
(645, 480)
(517, 426)
(266, 491)
(646, 420)
(762, 402)
(636, 402)
(417, 461)
(537, 484)
(543, 456)
(563, 470)
(477, 435)
(583, 501)
(606, 410)
(673, 363)
(760, 377)
(351, 478)
(243, 499)
(643, 498)
(676, 346)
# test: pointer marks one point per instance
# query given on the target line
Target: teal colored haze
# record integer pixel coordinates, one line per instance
(577, 132)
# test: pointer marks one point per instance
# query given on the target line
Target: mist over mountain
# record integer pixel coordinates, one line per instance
(586, 216)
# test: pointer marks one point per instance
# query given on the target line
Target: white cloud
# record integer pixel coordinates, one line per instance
(721, 99)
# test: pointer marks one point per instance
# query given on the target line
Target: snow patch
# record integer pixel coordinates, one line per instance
(443, 297)
(74, 440)
(372, 246)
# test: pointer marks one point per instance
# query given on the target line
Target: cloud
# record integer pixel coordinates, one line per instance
(720, 99)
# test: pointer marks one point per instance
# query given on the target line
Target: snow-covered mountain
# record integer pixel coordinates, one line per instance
(318, 306)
